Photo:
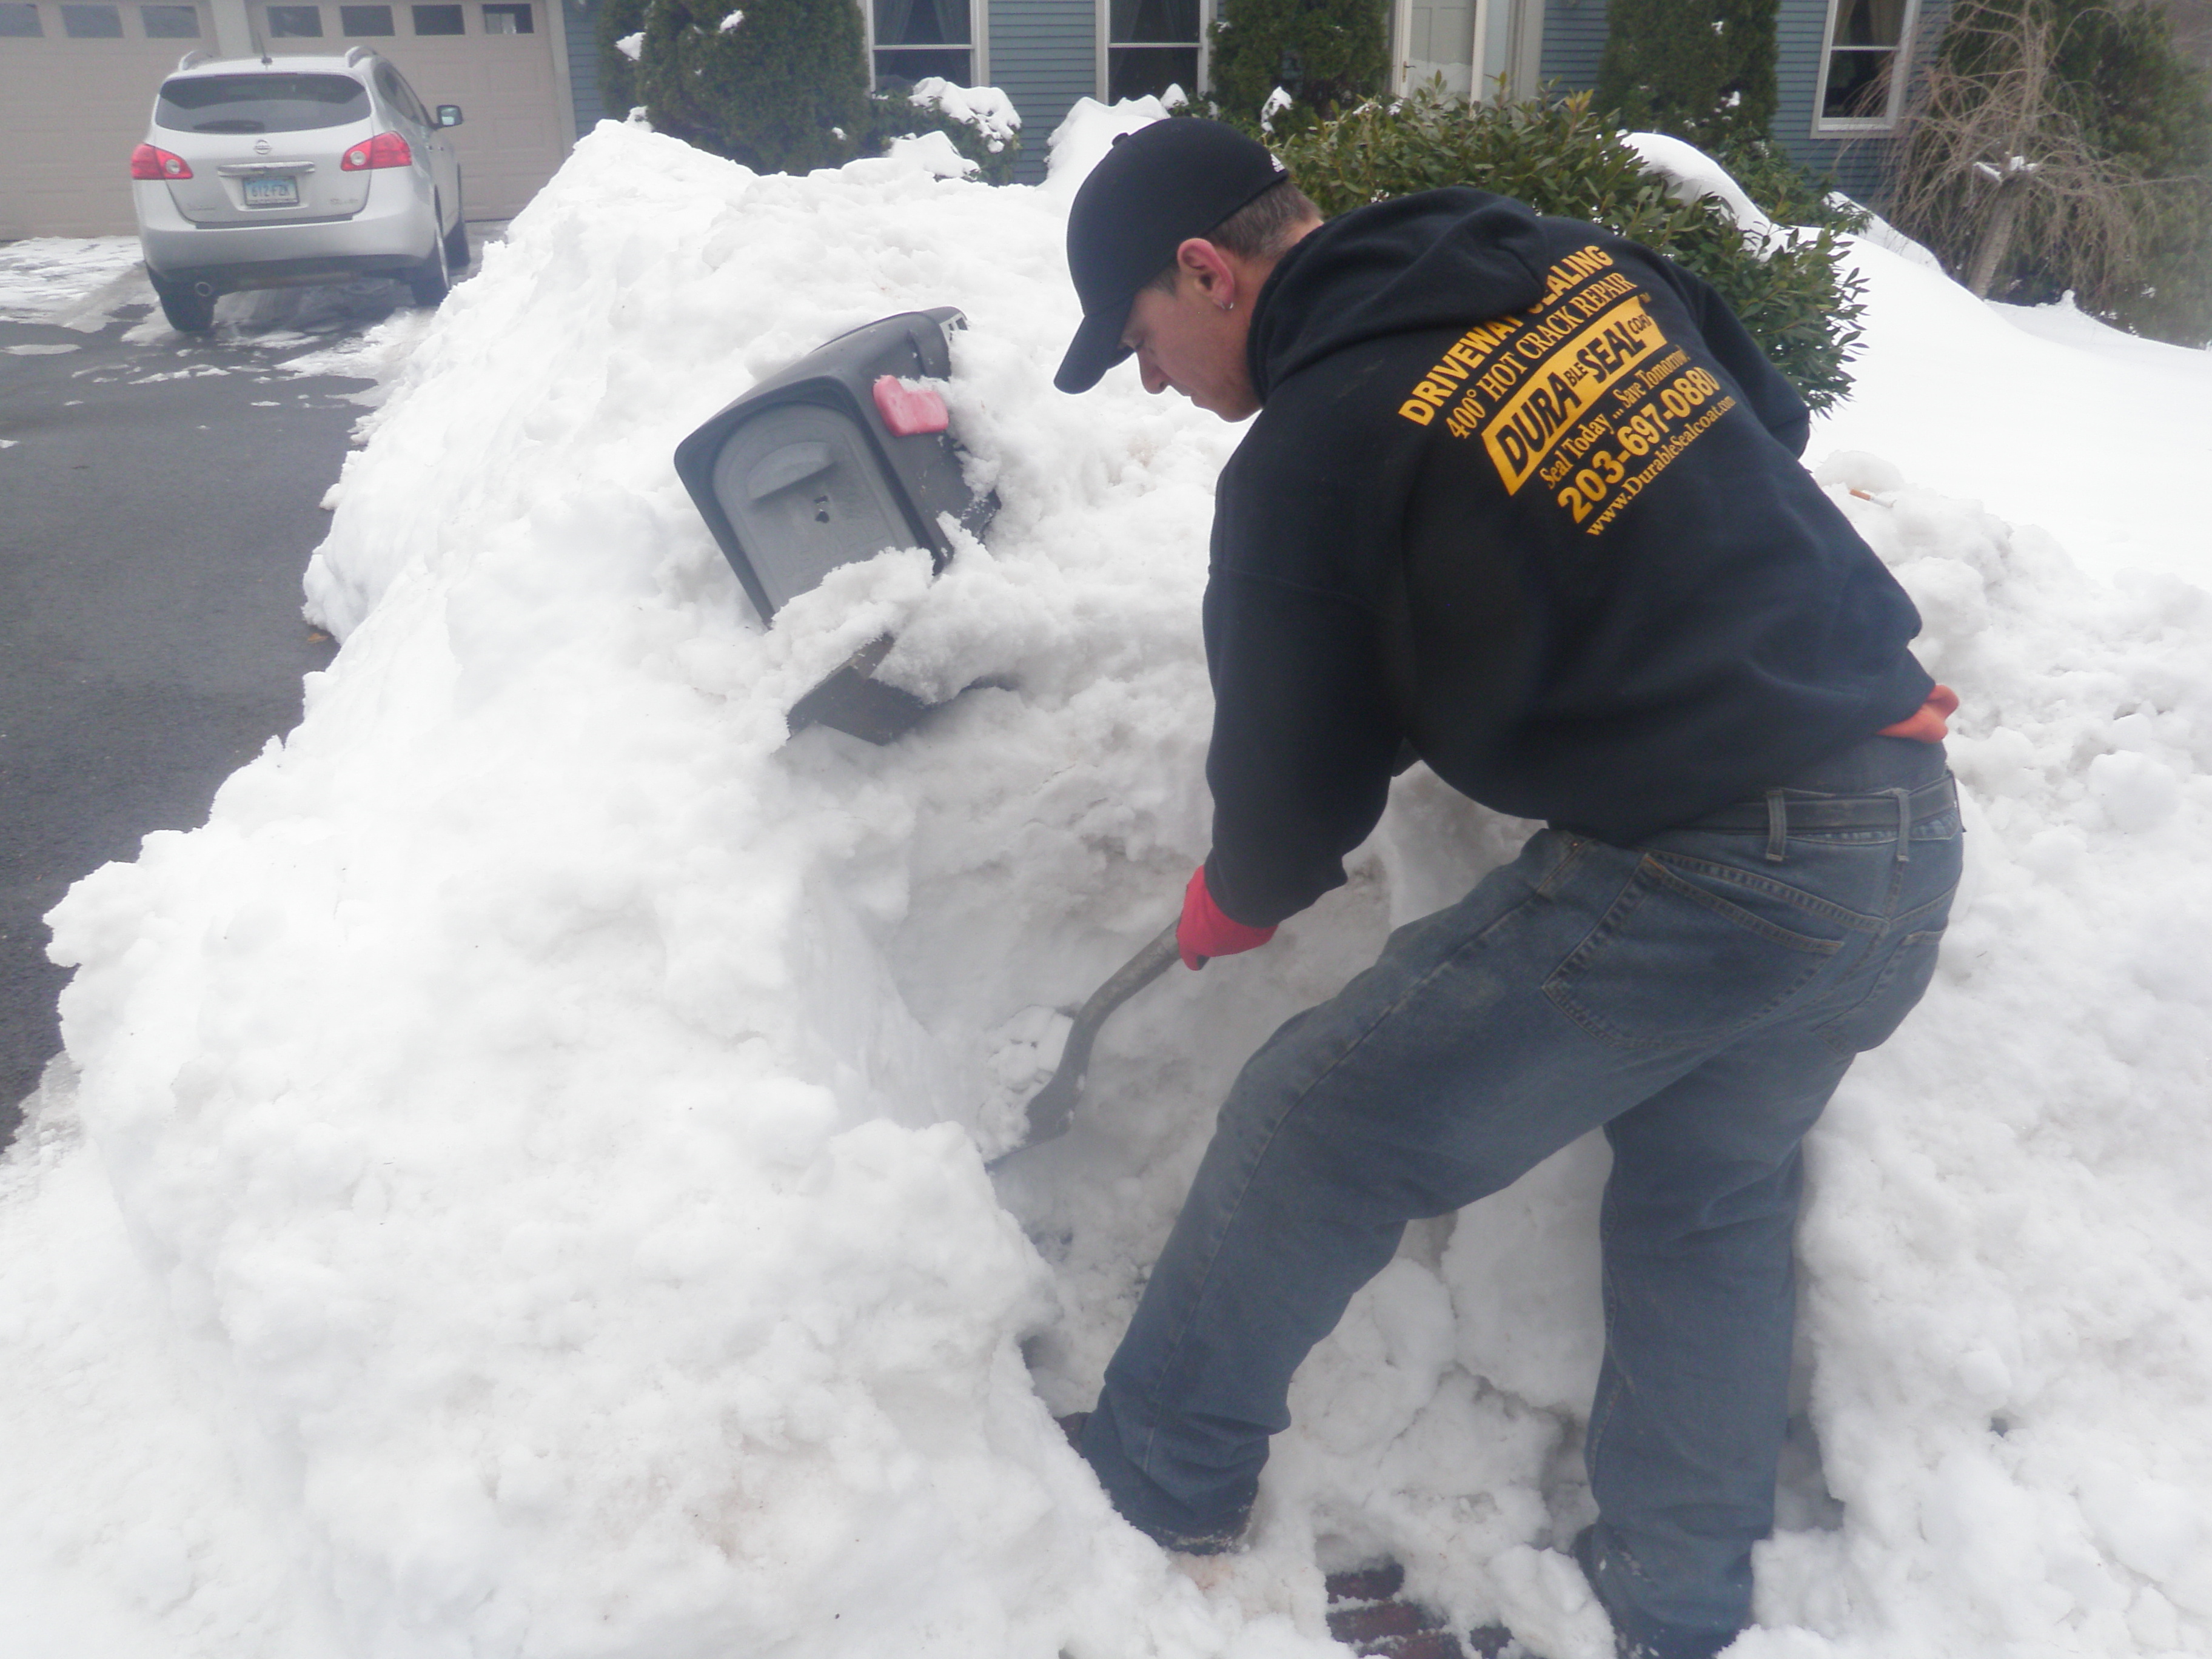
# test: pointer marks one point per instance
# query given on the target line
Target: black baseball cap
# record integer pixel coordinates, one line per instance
(1155, 188)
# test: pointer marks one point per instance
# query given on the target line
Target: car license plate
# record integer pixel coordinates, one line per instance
(272, 192)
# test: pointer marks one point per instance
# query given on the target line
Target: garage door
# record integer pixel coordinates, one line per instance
(76, 85)
(77, 80)
(493, 57)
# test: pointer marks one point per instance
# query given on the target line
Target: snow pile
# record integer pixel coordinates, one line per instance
(2046, 416)
(567, 1248)
(2009, 1262)
(1089, 133)
(545, 1105)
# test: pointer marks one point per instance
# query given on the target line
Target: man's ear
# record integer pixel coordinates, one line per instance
(1210, 269)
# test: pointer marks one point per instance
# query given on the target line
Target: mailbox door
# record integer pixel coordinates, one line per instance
(804, 494)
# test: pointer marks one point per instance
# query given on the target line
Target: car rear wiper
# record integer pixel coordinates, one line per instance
(235, 125)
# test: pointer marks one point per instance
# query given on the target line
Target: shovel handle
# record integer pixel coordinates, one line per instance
(1053, 1107)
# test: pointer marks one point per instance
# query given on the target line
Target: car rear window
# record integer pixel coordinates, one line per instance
(260, 103)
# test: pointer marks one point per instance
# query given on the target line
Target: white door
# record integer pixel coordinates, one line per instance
(1471, 44)
(1436, 39)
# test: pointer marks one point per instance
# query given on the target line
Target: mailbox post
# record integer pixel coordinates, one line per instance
(835, 460)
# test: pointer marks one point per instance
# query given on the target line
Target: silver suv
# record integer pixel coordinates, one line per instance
(263, 172)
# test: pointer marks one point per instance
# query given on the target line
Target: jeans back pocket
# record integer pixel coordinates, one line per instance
(1691, 953)
(1897, 985)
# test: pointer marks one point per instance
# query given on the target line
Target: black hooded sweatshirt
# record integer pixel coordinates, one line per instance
(1523, 496)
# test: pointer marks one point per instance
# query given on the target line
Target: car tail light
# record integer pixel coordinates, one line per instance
(387, 150)
(147, 162)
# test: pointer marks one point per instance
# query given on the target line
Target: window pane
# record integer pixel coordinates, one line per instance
(906, 66)
(507, 20)
(401, 96)
(439, 20)
(170, 22)
(1858, 86)
(92, 22)
(365, 21)
(1869, 22)
(19, 20)
(1135, 72)
(1154, 22)
(411, 103)
(260, 103)
(921, 23)
(296, 22)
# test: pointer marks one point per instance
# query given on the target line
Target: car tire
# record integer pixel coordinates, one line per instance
(428, 284)
(188, 311)
(457, 242)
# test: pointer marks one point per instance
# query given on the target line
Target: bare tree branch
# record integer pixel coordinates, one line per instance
(1993, 154)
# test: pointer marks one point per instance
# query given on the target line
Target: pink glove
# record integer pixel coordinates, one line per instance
(1206, 932)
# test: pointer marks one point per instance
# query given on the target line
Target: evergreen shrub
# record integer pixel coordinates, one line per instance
(783, 90)
(1702, 70)
(618, 21)
(908, 113)
(1786, 192)
(1796, 299)
(1328, 55)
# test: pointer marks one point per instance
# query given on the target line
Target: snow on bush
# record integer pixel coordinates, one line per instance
(544, 1105)
(987, 109)
(1693, 176)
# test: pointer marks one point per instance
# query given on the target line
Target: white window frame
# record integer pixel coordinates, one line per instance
(1103, 18)
(1824, 126)
(978, 42)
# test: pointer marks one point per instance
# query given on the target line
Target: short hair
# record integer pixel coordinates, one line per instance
(1261, 229)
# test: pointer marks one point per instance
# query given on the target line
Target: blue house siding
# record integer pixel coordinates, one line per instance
(1799, 26)
(1857, 162)
(1574, 41)
(1044, 56)
(581, 18)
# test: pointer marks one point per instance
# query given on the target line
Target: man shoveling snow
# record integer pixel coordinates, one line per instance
(1523, 500)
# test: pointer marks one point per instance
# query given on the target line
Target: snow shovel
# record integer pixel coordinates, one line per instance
(1052, 1109)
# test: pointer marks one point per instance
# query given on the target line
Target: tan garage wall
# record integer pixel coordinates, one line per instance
(72, 109)
(516, 132)
(72, 105)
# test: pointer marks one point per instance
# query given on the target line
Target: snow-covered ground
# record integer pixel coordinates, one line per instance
(46, 279)
(517, 1190)
(361, 329)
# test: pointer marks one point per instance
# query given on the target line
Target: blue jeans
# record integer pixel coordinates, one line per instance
(1699, 996)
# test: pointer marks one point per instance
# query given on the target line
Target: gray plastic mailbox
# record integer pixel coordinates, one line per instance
(832, 461)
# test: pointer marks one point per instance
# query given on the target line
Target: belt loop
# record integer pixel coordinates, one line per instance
(1903, 824)
(1777, 826)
